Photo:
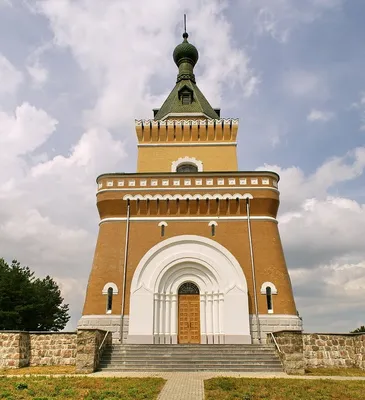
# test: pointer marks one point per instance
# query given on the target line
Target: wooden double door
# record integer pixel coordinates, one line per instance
(189, 314)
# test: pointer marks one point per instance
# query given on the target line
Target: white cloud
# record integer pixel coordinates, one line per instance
(26, 130)
(360, 105)
(38, 73)
(306, 84)
(317, 115)
(111, 43)
(322, 237)
(279, 18)
(10, 77)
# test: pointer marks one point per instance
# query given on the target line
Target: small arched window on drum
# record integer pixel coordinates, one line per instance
(186, 167)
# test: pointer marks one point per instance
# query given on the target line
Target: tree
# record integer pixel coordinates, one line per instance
(359, 330)
(28, 303)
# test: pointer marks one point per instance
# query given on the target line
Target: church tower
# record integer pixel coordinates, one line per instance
(188, 249)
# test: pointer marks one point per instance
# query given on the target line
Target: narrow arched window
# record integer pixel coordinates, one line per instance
(212, 225)
(162, 226)
(109, 304)
(269, 299)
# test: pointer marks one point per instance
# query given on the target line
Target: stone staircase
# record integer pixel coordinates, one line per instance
(249, 358)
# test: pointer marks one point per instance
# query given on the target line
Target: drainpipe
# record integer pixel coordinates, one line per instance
(253, 268)
(125, 267)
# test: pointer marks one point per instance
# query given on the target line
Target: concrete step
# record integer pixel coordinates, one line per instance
(252, 368)
(190, 358)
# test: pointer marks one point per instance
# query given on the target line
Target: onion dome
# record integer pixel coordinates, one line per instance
(185, 52)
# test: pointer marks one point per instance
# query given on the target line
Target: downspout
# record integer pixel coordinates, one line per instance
(125, 267)
(253, 268)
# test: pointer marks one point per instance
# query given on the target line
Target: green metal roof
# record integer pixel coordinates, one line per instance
(173, 103)
(186, 56)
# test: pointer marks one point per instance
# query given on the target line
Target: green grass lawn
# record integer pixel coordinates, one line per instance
(85, 388)
(282, 389)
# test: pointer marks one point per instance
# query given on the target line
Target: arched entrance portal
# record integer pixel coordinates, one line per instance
(223, 315)
(188, 313)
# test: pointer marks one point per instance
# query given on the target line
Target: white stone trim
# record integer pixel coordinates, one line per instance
(217, 273)
(187, 160)
(200, 218)
(163, 223)
(108, 285)
(271, 285)
(213, 223)
(190, 188)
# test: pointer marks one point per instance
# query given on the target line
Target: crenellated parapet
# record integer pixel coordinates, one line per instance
(187, 130)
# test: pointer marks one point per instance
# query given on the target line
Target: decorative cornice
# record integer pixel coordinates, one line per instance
(186, 122)
(216, 196)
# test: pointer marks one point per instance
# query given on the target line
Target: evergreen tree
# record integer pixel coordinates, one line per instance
(359, 330)
(29, 303)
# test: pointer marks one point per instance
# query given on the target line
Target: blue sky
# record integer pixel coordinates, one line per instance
(75, 74)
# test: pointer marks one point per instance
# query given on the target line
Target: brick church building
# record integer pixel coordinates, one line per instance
(188, 249)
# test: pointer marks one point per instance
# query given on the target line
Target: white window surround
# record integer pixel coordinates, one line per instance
(110, 285)
(270, 285)
(213, 223)
(186, 160)
(163, 223)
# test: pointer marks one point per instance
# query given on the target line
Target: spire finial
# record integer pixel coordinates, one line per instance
(185, 34)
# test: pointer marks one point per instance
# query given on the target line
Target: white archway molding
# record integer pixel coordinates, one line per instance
(187, 160)
(224, 311)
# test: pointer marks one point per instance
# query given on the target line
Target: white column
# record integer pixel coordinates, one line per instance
(162, 318)
(216, 318)
(203, 332)
(210, 318)
(167, 318)
(173, 325)
(221, 327)
(156, 315)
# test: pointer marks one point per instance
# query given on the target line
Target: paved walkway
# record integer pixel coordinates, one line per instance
(190, 385)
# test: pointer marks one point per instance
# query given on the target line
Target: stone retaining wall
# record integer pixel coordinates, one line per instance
(323, 350)
(52, 348)
(14, 349)
(291, 351)
(90, 346)
(320, 350)
(22, 349)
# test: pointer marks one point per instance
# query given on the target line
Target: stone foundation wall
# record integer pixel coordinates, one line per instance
(323, 350)
(111, 323)
(52, 348)
(273, 323)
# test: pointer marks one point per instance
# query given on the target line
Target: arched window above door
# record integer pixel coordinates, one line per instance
(188, 288)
